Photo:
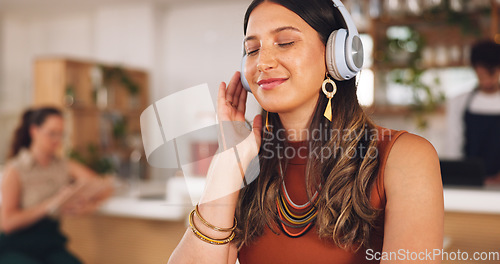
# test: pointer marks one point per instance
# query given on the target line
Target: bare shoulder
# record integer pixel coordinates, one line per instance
(10, 171)
(409, 149)
(413, 142)
(412, 162)
(10, 176)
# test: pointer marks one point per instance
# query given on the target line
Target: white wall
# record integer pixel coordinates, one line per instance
(200, 44)
(15, 62)
(125, 34)
(203, 43)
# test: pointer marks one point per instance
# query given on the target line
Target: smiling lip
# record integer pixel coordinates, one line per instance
(269, 84)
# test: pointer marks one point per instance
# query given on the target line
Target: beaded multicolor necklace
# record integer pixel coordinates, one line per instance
(293, 215)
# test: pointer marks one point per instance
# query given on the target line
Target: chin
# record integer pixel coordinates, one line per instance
(276, 103)
(271, 104)
(52, 150)
(278, 108)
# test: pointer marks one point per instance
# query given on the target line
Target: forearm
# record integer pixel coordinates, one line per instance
(21, 219)
(98, 192)
(217, 206)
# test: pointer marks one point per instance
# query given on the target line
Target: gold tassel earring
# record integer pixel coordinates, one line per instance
(267, 123)
(329, 95)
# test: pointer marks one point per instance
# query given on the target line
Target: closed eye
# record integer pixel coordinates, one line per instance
(282, 45)
(286, 44)
(253, 52)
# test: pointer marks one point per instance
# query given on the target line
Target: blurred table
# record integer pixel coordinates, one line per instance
(472, 199)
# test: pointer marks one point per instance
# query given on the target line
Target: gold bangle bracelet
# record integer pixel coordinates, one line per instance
(205, 238)
(221, 229)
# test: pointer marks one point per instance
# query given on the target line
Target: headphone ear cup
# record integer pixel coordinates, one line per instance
(336, 56)
(244, 81)
(330, 57)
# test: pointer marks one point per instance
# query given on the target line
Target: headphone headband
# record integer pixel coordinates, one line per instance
(351, 28)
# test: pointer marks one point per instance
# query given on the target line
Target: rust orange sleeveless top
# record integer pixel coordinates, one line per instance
(309, 248)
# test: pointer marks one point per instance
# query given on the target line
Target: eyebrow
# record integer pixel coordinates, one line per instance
(277, 30)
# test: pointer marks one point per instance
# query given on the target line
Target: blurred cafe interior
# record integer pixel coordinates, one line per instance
(103, 62)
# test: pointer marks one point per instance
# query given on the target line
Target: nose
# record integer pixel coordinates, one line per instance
(267, 60)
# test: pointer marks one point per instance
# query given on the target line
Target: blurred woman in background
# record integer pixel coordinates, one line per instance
(36, 189)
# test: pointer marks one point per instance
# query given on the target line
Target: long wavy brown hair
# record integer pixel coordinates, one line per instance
(345, 214)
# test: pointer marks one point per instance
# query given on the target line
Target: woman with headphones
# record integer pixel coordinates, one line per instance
(37, 189)
(332, 186)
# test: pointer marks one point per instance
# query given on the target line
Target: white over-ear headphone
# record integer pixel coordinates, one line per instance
(344, 50)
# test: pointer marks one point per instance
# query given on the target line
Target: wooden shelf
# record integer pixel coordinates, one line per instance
(382, 66)
(427, 18)
(438, 34)
(69, 84)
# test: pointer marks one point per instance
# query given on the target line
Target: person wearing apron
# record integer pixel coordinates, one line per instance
(474, 117)
(482, 138)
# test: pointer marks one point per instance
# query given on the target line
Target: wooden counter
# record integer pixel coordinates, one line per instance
(472, 232)
(106, 239)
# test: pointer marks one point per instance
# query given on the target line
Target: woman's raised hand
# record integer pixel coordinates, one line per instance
(231, 106)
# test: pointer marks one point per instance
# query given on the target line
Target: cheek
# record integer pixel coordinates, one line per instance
(487, 79)
(308, 70)
(38, 137)
(250, 72)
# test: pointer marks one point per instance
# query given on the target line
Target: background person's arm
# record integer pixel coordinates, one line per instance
(95, 190)
(414, 215)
